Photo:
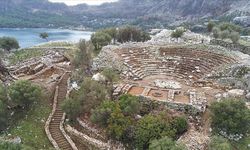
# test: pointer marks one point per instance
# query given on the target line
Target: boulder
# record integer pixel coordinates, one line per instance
(38, 68)
(98, 77)
(243, 20)
(236, 93)
(248, 96)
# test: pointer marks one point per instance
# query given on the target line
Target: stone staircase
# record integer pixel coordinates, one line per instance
(57, 116)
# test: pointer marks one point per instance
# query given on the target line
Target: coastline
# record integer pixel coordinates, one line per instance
(29, 37)
(58, 28)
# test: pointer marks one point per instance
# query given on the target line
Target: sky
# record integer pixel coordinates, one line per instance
(90, 2)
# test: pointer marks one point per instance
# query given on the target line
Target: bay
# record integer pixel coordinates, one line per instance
(28, 37)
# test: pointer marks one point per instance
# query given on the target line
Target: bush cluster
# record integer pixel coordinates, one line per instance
(225, 31)
(8, 43)
(124, 34)
(120, 119)
(20, 95)
(230, 116)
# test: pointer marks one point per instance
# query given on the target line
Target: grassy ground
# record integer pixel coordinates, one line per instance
(37, 51)
(242, 144)
(241, 42)
(57, 44)
(24, 54)
(31, 127)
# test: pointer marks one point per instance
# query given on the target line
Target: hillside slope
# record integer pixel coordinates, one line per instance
(43, 13)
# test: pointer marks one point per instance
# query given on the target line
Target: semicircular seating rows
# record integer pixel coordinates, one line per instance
(177, 62)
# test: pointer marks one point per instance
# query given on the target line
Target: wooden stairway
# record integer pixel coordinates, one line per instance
(54, 126)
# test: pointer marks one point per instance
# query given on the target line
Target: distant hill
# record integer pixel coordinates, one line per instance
(41, 13)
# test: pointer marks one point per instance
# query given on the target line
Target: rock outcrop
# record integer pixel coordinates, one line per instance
(244, 20)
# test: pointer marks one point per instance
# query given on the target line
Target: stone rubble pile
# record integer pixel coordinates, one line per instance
(108, 58)
(234, 137)
(167, 84)
(164, 37)
(198, 100)
(194, 140)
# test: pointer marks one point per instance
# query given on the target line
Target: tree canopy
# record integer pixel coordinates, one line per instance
(44, 35)
(100, 39)
(230, 116)
(102, 113)
(124, 34)
(117, 124)
(23, 93)
(131, 33)
(152, 127)
(129, 104)
(219, 143)
(165, 143)
(82, 56)
(177, 33)
(8, 43)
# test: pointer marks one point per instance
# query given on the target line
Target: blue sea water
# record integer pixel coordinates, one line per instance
(28, 37)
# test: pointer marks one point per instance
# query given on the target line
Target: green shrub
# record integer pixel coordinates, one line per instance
(91, 94)
(230, 27)
(225, 34)
(180, 124)
(44, 35)
(72, 108)
(10, 146)
(131, 33)
(147, 106)
(235, 37)
(82, 57)
(165, 143)
(242, 71)
(117, 124)
(100, 39)
(129, 104)
(3, 116)
(23, 93)
(8, 43)
(103, 112)
(231, 116)
(216, 32)
(219, 143)
(149, 128)
(177, 33)
(210, 26)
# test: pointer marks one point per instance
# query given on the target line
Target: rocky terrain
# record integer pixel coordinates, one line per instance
(165, 12)
(144, 75)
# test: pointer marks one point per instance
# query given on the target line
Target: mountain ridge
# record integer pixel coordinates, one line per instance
(167, 12)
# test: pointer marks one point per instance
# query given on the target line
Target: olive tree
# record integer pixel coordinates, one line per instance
(216, 32)
(152, 127)
(219, 143)
(72, 108)
(82, 56)
(235, 36)
(129, 104)
(91, 94)
(228, 116)
(100, 39)
(225, 34)
(177, 33)
(165, 143)
(110, 76)
(210, 26)
(8, 43)
(24, 93)
(102, 113)
(44, 35)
